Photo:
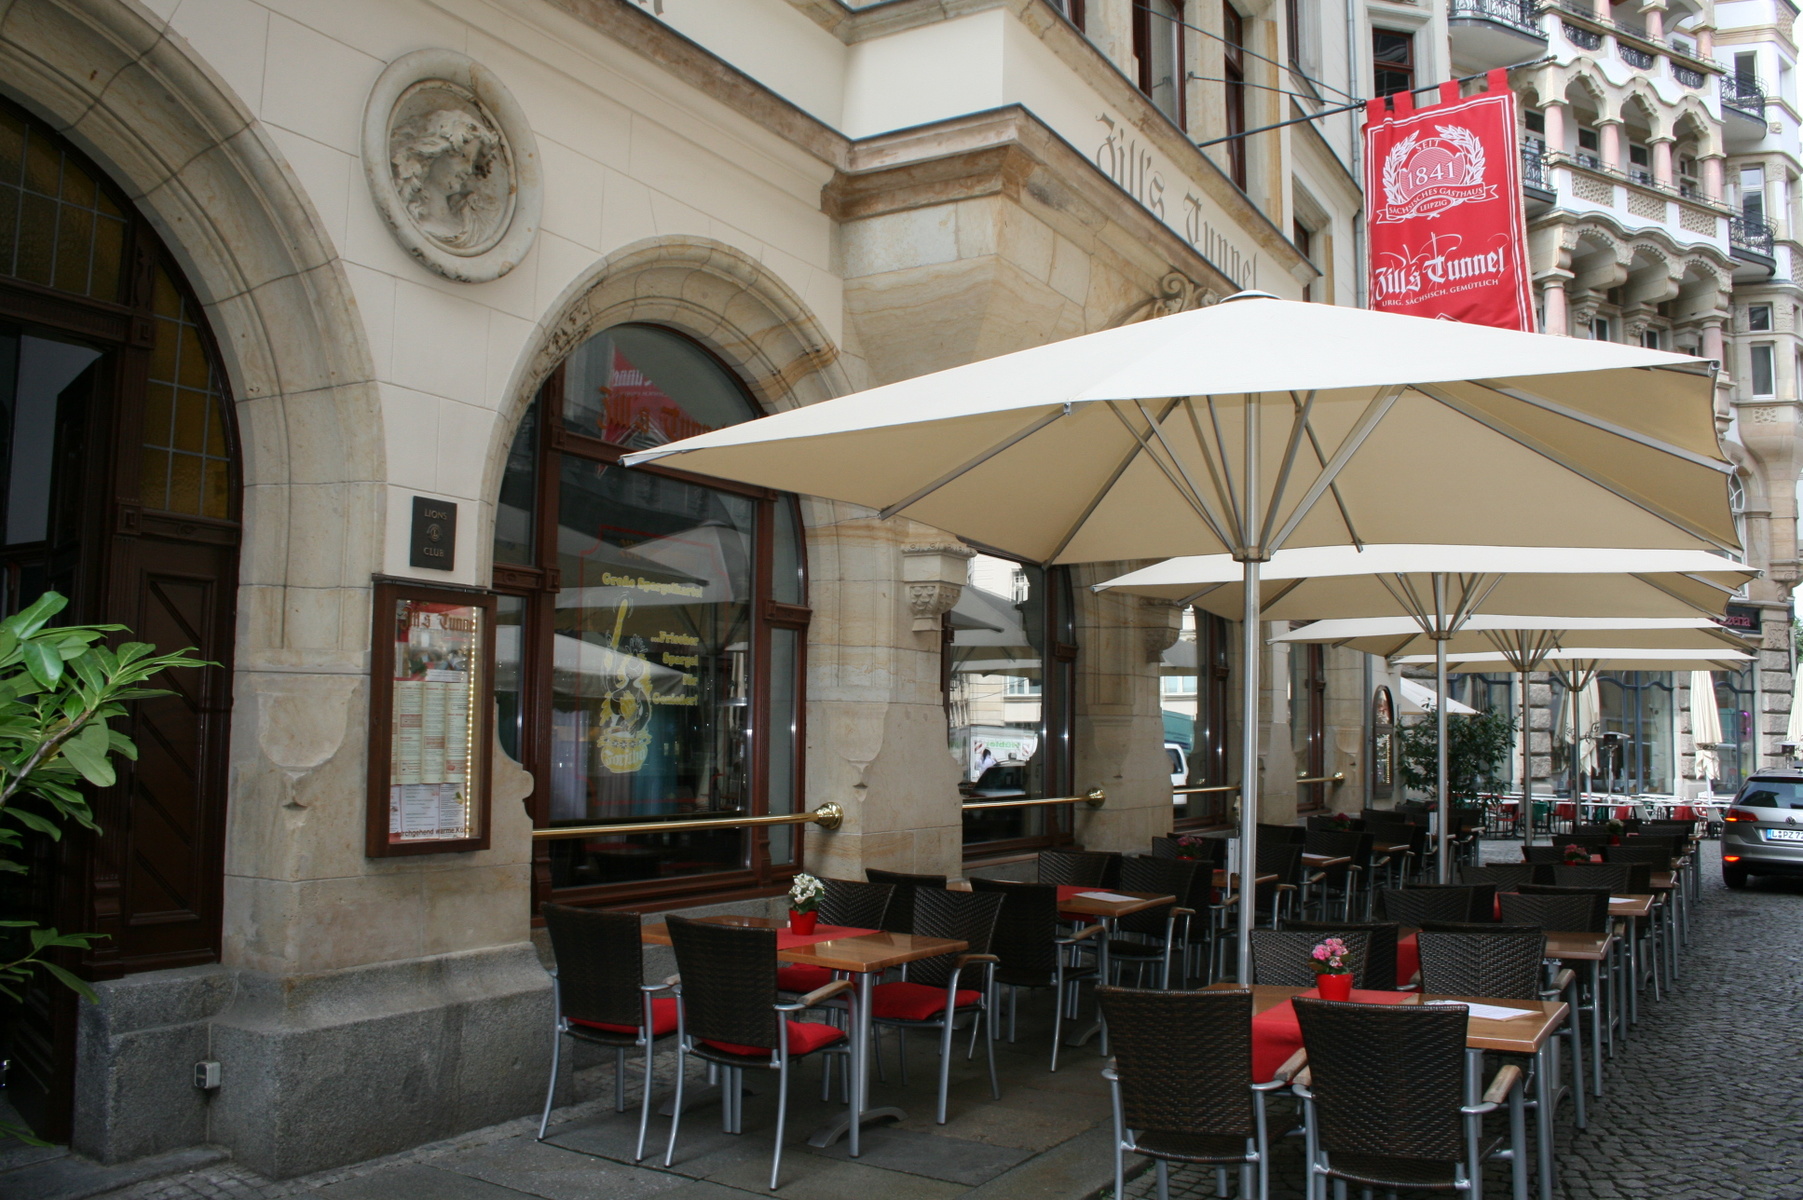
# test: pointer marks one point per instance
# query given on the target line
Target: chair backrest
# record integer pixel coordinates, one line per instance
(1026, 930)
(1164, 876)
(1280, 957)
(728, 981)
(1380, 950)
(1335, 825)
(1075, 868)
(1565, 913)
(1658, 855)
(1591, 831)
(1544, 854)
(1387, 1079)
(858, 905)
(1417, 906)
(1283, 859)
(1210, 851)
(899, 917)
(967, 916)
(599, 964)
(1481, 905)
(1506, 966)
(1610, 876)
(1335, 843)
(1599, 898)
(1184, 1059)
(1503, 876)
(1281, 833)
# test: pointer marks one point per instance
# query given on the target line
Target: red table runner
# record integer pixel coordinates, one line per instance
(1408, 958)
(822, 933)
(1276, 1034)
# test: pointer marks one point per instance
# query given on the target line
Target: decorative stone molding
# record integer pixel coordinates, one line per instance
(452, 165)
(935, 576)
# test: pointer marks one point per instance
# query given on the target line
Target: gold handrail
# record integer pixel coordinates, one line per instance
(827, 816)
(1336, 777)
(1198, 791)
(1095, 799)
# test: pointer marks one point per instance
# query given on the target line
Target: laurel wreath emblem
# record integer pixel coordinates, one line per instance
(1396, 162)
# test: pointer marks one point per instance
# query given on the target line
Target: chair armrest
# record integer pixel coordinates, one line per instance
(1084, 934)
(964, 960)
(1180, 911)
(1110, 1074)
(813, 998)
(1502, 1084)
(1287, 1073)
(673, 981)
(1564, 979)
(660, 987)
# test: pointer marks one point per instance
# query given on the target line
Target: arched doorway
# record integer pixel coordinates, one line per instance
(119, 487)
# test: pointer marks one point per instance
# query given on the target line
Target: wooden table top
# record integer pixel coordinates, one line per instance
(1631, 906)
(1518, 1035)
(1222, 879)
(1578, 947)
(1389, 847)
(1663, 880)
(1320, 861)
(862, 953)
(1089, 906)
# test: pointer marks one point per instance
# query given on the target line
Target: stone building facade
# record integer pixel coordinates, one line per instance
(460, 255)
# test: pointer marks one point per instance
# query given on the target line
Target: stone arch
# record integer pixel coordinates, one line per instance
(1691, 120)
(116, 81)
(710, 291)
(1640, 97)
(1583, 83)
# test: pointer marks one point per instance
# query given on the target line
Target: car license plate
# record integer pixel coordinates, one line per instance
(1784, 835)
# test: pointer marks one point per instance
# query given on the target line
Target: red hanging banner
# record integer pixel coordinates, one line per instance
(1443, 188)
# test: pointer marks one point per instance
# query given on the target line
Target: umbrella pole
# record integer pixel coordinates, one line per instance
(1248, 770)
(1440, 754)
(1527, 769)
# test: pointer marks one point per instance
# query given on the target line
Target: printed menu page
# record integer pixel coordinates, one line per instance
(436, 663)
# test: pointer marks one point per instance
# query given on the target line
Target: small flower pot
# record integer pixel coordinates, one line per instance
(802, 923)
(1334, 987)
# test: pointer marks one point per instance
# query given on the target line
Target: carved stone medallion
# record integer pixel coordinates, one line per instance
(452, 165)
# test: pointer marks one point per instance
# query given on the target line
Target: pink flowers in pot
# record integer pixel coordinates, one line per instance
(1329, 958)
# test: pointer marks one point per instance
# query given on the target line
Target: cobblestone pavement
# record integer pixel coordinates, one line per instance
(1705, 1101)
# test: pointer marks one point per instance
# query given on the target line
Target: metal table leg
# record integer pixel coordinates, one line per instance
(1546, 1066)
(859, 1101)
(1100, 1026)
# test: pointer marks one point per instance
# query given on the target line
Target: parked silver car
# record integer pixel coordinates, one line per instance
(1762, 831)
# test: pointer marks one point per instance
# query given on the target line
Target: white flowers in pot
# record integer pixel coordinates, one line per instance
(805, 893)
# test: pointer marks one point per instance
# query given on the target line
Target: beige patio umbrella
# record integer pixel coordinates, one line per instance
(1524, 644)
(1441, 588)
(1705, 727)
(1257, 423)
(1578, 668)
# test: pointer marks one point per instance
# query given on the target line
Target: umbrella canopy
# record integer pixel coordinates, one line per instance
(1705, 725)
(1514, 635)
(1133, 442)
(1416, 699)
(1257, 423)
(1591, 659)
(1313, 582)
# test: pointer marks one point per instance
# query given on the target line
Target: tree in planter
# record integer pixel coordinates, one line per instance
(1476, 747)
(59, 688)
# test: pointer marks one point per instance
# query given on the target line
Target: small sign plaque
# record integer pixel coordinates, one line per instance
(434, 542)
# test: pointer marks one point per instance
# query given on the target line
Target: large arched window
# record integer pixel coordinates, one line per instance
(652, 625)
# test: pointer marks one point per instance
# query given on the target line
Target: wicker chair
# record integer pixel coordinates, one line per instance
(930, 998)
(729, 1017)
(1284, 860)
(1503, 876)
(1280, 957)
(1658, 854)
(1030, 953)
(1152, 936)
(1078, 868)
(1544, 854)
(599, 995)
(1555, 912)
(1482, 906)
(1610, 877)
(899, 917)
(1383, 1106)
(1380, 952)
(1415, 907)
(1341, 880)
(846, 902)
(1182, 1083)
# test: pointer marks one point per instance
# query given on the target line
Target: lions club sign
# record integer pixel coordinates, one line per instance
(1448, 238)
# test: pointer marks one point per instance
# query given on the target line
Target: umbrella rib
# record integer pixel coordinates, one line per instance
(1381, 403)
(1621, 431)
(1468, 607)
(1529, 442)
(1197, 595)
(1281, 592)
(1191, 497)
(1156, 429)
(1340, 500)
(1101, 493)
(1298, 423)
(979, 460)
(1654, 583)
(1223, 490)
(1407, 599)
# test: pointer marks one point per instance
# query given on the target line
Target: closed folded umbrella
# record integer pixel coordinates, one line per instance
(1705, 726)
(1258, 423)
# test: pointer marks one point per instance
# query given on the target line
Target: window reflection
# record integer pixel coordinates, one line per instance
(996, 695)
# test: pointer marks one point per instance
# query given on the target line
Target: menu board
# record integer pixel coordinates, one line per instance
(433, 656)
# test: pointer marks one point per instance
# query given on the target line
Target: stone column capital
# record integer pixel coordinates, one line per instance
(934, 575)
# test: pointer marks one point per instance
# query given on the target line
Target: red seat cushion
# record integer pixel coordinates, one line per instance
(805, 1037)
(801, 979)
(663, 1021)
(915, 1001)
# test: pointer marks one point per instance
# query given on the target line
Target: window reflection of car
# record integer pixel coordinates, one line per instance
(996, 783)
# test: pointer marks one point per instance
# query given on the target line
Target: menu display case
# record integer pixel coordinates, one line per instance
(431, 719)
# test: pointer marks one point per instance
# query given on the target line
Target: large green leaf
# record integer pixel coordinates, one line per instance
(87, 753)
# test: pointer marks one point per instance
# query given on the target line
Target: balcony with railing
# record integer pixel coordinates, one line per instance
(1537, 191)
(1751, 235)
(1588, 30)
(1743, 106)
(1494, 33)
